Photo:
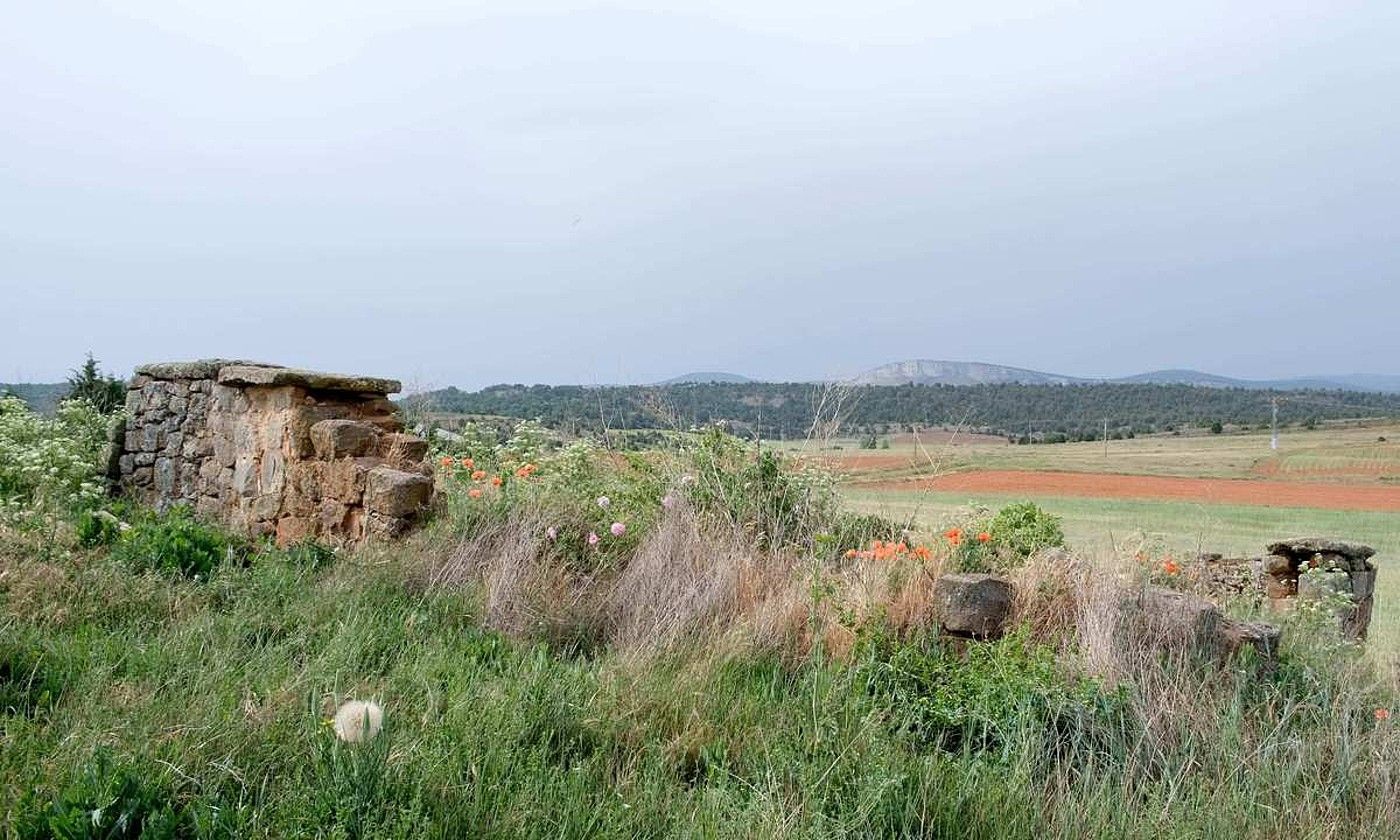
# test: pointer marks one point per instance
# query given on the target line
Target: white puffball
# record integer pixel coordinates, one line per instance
(358, 720)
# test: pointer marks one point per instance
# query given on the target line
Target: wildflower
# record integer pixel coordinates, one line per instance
(851, 553)
(478, 475)
(496, 481)
(1170, 567)
(468, 463)
(551, 532)
(1382, 714)
(984, 537)
(604, 502)
(922, 552)
(954, 535)
(447, 460)
(358, 720)
(592, 538)
(475, 492)
(617, 529)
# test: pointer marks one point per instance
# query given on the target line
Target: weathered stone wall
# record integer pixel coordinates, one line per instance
(267, 450)
(1305, 568)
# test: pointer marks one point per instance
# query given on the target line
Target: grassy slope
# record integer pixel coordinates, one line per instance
(215, 695)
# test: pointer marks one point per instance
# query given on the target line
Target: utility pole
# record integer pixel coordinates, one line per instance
(1273, 438)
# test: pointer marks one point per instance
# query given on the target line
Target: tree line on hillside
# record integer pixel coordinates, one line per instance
(1028, 413)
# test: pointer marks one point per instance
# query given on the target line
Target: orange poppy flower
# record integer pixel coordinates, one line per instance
(1382, 714)
(475, 492)
(447, 460)
(478, 475)
(495, 481)
(922, 552)
(984, 537)
(1170, 567)
(851, 553)
(953, 534)
(468, 463)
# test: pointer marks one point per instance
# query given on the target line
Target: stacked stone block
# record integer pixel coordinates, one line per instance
(268, 450)
(1313, 567)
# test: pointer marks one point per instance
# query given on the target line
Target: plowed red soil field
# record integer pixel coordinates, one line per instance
(1205, 490)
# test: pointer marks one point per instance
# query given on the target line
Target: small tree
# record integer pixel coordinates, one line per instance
(106, 393)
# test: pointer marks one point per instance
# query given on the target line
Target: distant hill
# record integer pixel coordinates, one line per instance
(706, 377)
(937, 372)
(42, 397)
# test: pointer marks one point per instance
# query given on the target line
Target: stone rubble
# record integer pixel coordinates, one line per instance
(275, 451)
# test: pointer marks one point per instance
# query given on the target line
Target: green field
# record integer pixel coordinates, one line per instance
(1353, 453)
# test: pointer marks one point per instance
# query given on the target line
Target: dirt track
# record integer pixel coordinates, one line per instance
(1205, 490)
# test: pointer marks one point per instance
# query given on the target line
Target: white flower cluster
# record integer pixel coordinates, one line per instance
(49, 467)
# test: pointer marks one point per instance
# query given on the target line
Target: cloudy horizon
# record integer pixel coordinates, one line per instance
(450, 194)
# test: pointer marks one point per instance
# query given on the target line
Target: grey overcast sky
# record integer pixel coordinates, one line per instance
(470, 193)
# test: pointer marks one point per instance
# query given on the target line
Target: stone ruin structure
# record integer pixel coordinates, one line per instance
(1302, 569)
(970, 607)
(274, 451)
(979, 607)
(1313, 568)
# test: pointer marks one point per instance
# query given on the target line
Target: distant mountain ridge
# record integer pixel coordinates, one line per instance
(705, 377)
(942, 372)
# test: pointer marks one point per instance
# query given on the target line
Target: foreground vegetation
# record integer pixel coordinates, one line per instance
(695, 641)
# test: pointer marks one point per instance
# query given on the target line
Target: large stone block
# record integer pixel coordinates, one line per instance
(334, 439)
(395, 493)
(974, 604)
(1182, 620)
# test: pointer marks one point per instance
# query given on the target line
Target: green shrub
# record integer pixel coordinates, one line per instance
(174, 543)
(97, 527)
(1024, 528)
(856, 531)
(108, 801)
(1000, 697)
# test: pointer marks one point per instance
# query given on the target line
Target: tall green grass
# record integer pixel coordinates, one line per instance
(202, 707)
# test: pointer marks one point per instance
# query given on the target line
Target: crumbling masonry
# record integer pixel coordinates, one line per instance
(268, 450)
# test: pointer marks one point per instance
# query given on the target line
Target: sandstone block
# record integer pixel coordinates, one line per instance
(1308, 546)
(1263, 637)
(396, 493)
(403, 448)
(973, 604)
(334, 439)
(293, 529)
(1181, 619)
(1278, 565)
